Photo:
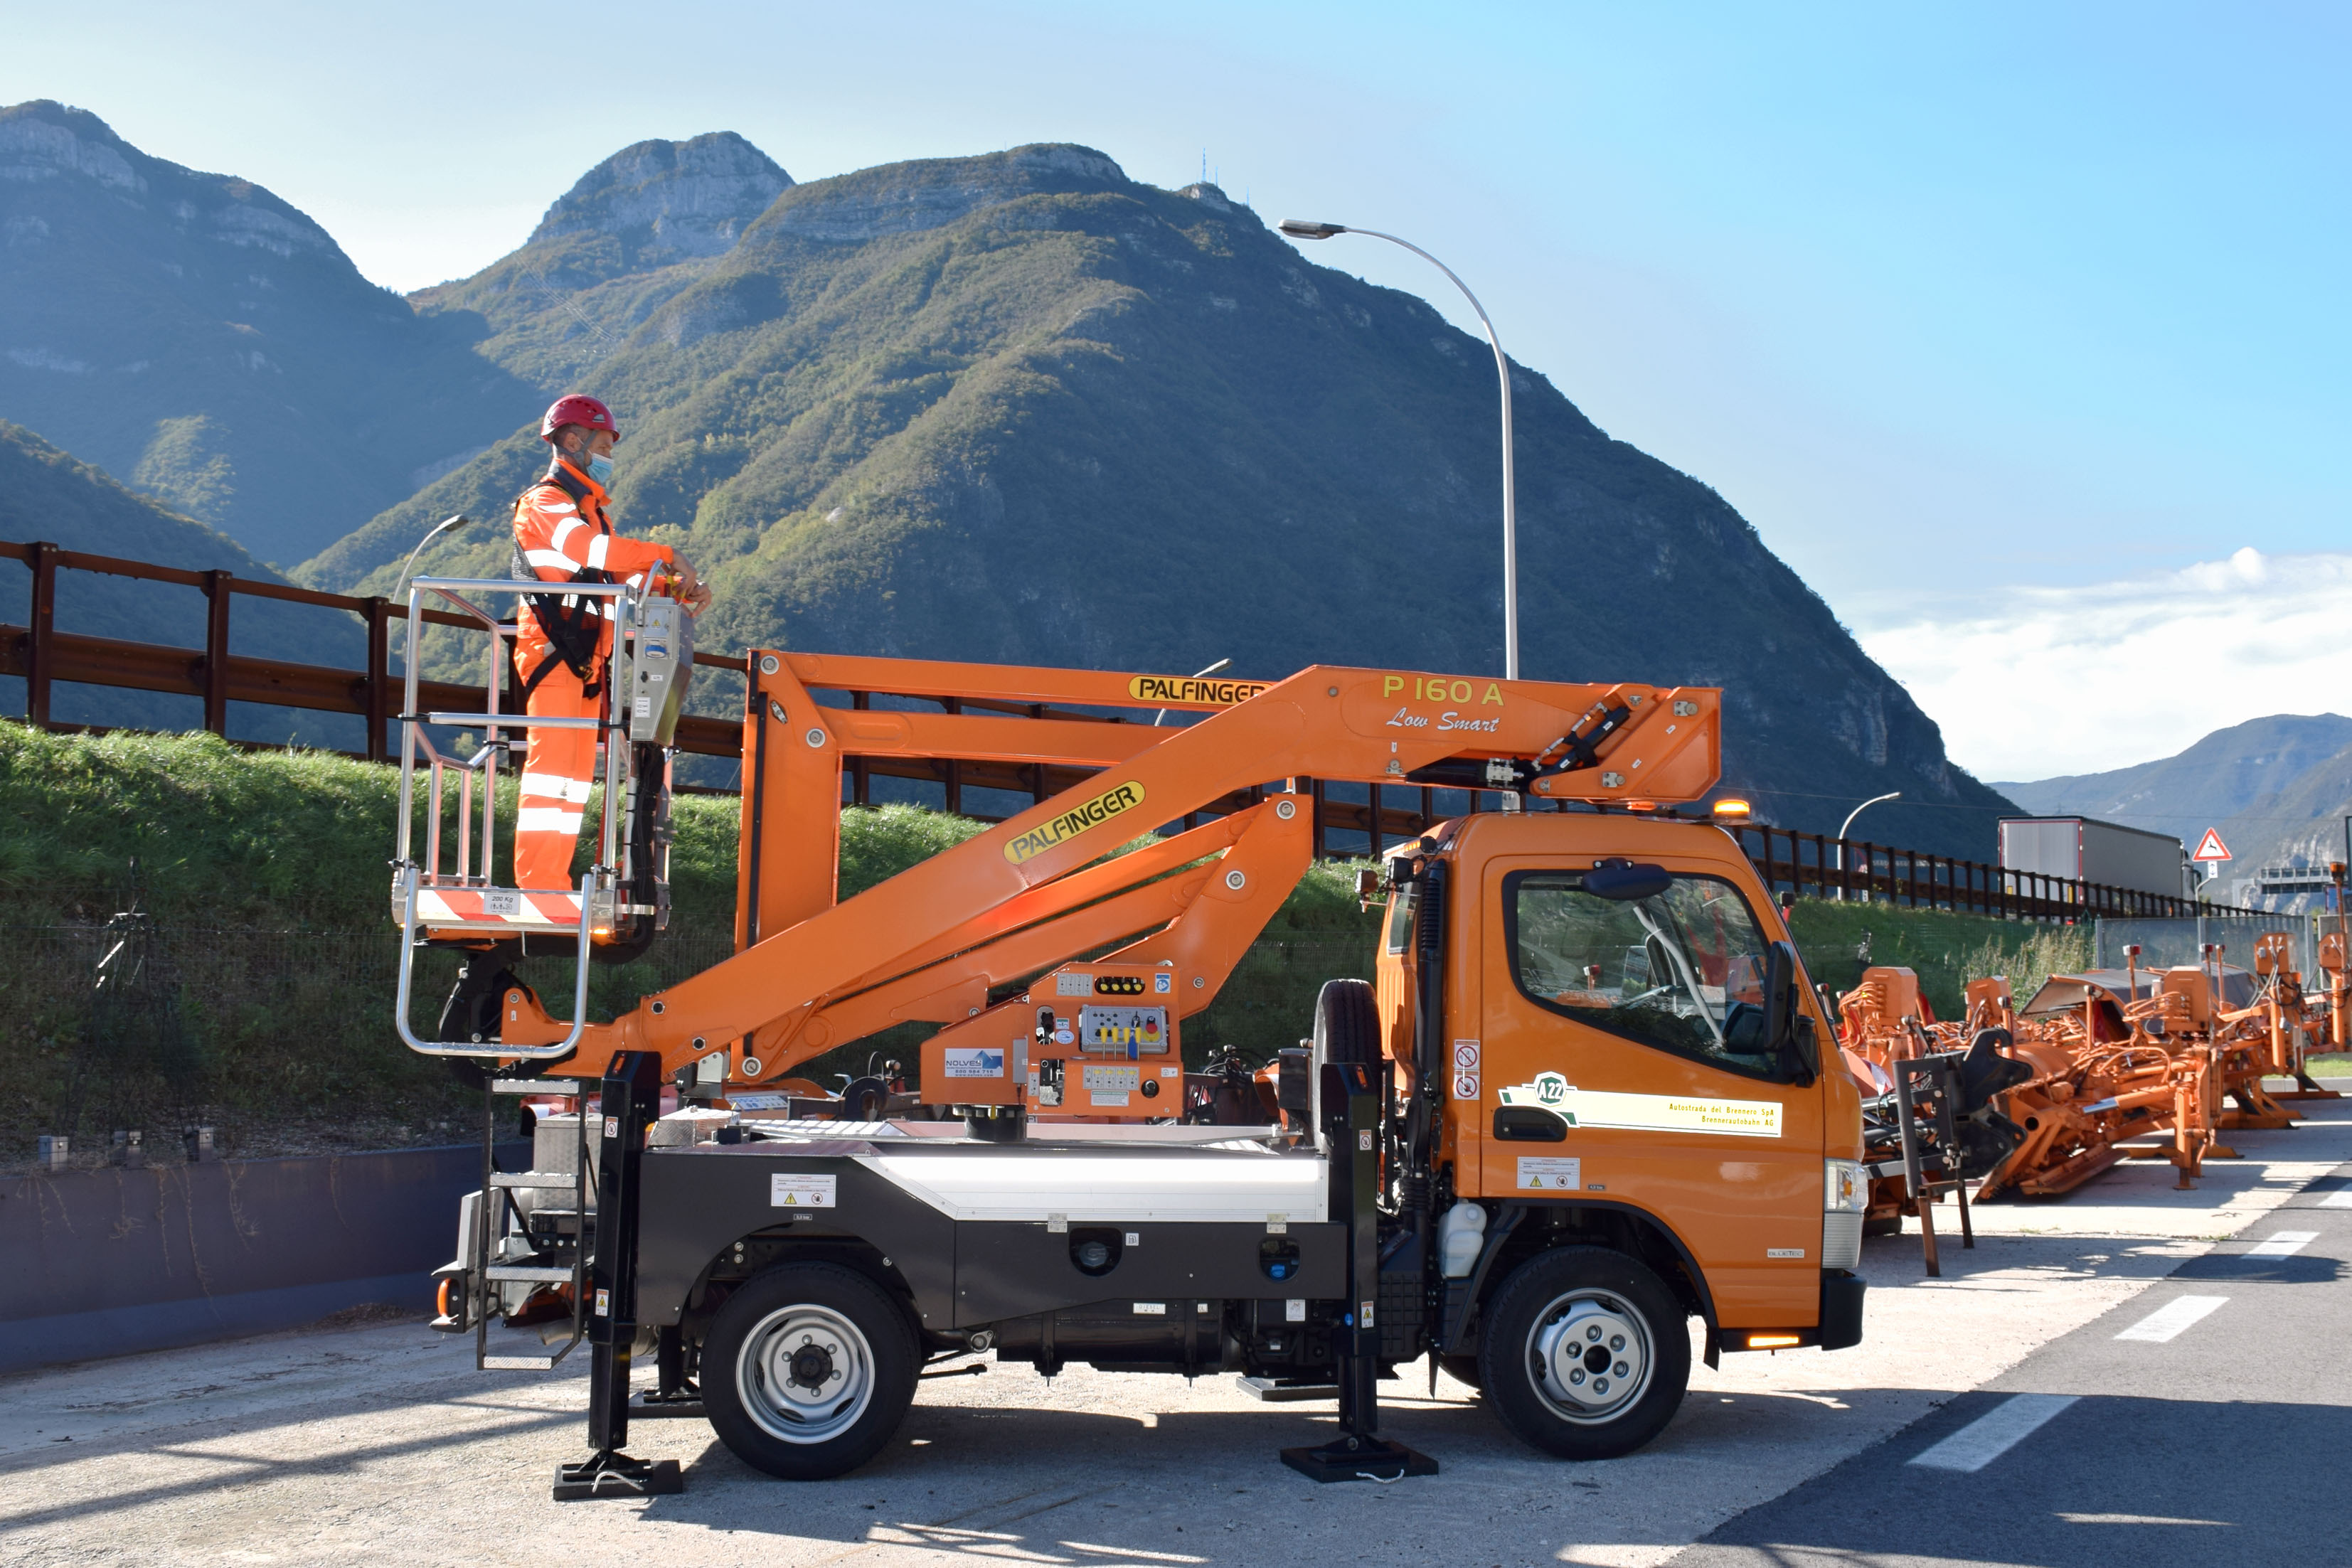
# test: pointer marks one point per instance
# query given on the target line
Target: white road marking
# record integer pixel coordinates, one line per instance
(2134, 1519)
(2284, 1244)
(2337, 1199)
(1995, 1432)
(2165, 1325)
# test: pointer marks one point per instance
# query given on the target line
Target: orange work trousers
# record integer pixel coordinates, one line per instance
(556, 773)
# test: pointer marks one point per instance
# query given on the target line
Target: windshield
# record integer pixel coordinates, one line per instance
(1683, 971)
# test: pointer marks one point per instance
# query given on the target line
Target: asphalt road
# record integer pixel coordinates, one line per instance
(2200, 1422)
(338, 1449)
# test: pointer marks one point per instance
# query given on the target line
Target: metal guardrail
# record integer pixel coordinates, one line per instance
(1851, 868)
(1826, 866)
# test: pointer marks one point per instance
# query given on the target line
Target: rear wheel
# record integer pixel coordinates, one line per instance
(808, 1370)
(1586, 1352)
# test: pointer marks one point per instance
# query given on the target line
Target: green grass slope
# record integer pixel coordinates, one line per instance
(1019, 407)
(265, 876)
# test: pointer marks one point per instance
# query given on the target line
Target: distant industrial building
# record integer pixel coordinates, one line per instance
(2086, 850)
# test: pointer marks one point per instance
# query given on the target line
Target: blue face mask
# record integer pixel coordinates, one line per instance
(600, 470)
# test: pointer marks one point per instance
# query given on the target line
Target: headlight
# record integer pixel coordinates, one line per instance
(1847, 1190)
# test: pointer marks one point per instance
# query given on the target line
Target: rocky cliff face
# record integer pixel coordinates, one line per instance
(661, 201)
(197, 335)
(634, 230)
(1021, 408)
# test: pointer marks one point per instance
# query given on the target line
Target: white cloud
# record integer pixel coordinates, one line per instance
(2046, 681)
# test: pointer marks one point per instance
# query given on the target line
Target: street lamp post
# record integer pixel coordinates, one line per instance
(1850, 816)
(1300, 228)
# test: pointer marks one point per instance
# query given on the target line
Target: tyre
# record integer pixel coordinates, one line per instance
(1347, 1029)
(808, 1370)
(1586, 1352)
(1346, 1023)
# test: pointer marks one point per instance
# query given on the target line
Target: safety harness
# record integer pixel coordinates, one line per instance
(573, 624)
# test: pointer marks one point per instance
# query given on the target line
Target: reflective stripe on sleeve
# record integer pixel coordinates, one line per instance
(549, 559)
(596, 548)
(564, 530)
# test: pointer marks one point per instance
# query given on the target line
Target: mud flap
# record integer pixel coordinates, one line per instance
(1840, 1319)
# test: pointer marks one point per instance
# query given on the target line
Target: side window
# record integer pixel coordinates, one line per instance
(1682, 970)
(1400, 910)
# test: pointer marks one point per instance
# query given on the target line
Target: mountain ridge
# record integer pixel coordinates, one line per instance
(1019, 408)
(206, 342)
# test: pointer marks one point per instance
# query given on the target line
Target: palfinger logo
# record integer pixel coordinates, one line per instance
(1192, 689)
(1110, 803)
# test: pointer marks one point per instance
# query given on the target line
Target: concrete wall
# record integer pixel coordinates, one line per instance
(105, 1262)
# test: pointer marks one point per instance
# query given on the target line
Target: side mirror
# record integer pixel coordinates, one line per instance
(1780, 982)
(1786, 1024)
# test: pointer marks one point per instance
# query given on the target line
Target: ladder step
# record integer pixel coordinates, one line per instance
(518, 1363)
(551, 1180)
(523, 1273)
(540, 1085)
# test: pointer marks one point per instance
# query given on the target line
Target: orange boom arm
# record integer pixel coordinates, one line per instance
(811, 974)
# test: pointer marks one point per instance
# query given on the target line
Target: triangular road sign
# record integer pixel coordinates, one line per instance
(2210, 847)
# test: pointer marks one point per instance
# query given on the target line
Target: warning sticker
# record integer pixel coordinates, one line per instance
(1465, 1056)
(792, 1189)
(1466, 1086)
(974, 1062)
(1550, 1173)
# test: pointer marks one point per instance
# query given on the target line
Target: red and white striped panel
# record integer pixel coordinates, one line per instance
(496, 909)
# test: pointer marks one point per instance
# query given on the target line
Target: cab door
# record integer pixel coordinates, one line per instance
(1638, 1023)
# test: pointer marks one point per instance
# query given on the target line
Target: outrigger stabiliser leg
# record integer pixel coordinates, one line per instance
(1351, 1122)
(632, 1099)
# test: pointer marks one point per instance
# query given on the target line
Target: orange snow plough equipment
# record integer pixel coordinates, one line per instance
(1932, 1105)
(2111, 1056)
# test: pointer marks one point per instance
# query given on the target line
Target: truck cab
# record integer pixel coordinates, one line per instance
(1633, 1115)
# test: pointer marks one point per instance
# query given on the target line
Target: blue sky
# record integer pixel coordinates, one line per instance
(1951, 301)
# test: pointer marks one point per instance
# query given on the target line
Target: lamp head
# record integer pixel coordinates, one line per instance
(1301, 228)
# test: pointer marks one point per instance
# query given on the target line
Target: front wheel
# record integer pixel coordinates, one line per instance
(808, 1370)
(1586, 1352)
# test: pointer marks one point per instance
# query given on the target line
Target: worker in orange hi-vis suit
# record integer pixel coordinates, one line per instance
(563, 533)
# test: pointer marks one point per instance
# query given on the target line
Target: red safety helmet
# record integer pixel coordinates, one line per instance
(577, 408)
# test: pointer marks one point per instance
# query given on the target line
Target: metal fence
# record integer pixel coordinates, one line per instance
(1345, 813)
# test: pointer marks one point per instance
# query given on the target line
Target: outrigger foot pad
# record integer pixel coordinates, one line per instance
(1359, 1459)
(617, 1475)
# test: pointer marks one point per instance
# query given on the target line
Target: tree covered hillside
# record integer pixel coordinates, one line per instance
(46, 495)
